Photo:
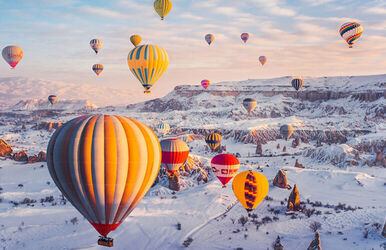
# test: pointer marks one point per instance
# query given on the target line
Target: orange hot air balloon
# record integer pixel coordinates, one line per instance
(97, 68)
(262, 60)
(225, 166)
(104, 165)
(250, 188)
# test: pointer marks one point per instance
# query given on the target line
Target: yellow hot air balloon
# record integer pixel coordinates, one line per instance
(135, 40)
(104, 165)
(213, 140)
(97, 68)
(96, 45)
(162, 7)
(250, 188)
(148, 63)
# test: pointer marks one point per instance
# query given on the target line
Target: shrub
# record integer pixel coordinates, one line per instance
(187, 242)
(315, 226)
(243, 220)
(74, 220)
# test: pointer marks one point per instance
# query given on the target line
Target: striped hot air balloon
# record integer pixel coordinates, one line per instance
(262, 60)
(12, 55)
(104, 165)
(96, 45)
(163, 128)
(213, 140)
(97, 68)
(244, 37)
(135, 40)
(351, 32)
(209, 38)
(250, 188)
(286, 131)
(52, 99)
(205, 83)
(297, 83)
(225, 166)
(148, 63)
(174, 154)
(249, 104)
(162, 7)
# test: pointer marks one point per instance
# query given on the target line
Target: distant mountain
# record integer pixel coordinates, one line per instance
(36, 104)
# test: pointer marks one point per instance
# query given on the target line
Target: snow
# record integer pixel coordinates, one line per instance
(208, 213)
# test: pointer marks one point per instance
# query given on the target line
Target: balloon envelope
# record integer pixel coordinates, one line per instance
(96, 45)
(249, 104)
(286, 131)
(174, 154)
(162, 7)
(250, 188)
(97, 68)
(244, 37)
(262, 60)
(351, 32)
(225, 166)
(297, 83)
(52, 99)
(12, 55)
(213, 140)
(104, 165)
(148, 63)
(209, 38)
(163, 128)
(135, 40)
(205, 83)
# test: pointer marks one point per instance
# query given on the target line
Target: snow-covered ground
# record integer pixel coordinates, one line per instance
(208, 213)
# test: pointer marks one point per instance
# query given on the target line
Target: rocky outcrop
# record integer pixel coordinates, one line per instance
(277, 244)
(380, 160)
(5, 149)
(41, 157)
(20, 156)
(50, 126)
(280, 180)
(298, 165)
(296, 142)
(294, 200)
(174, 183)
(259, 148)
(284, 149)
(384, 231)
(278, 146)
(315, 243)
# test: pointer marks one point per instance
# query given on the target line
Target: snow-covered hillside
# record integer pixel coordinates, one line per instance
(339, 130)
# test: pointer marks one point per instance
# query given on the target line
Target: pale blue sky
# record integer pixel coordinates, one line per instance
(298, 37)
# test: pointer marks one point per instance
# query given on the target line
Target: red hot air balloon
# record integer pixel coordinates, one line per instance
(174, 153)
(244, 37)
(225, 166)
(205, 83)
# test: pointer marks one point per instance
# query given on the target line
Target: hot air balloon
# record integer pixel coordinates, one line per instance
(12, 55)
(162, 7)
(297, 83)
(174, 154)
(249, 104)
(244, 37)
(104, 165)
(163, 128)
(250, 188)
(135, 40)
(52, 99)
(205, 83)
(225, 166)
(286, 131)
(209, 38)
(351, 32)
(213, 140)
(263, 60)
(148, 63)
(97, 68)
(96, 45)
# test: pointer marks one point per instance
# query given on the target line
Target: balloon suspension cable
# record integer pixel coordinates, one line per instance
(223, 186)
(105, 241)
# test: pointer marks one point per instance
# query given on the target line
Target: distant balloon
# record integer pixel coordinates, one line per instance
(52, 99)
(148, 63)
(209, 38)
(104, 165)
(205, 83)
(12, 55)
(174, 154)
(250, 188)
(297, 83)
(135, 40)
(225, 166)
(351, 32)
(213, 140)
(245, 37)
(96, 45)
(249, 104)
(163, 128)
(286, 131)
(162, 7)
(263, 60)
(97, 68)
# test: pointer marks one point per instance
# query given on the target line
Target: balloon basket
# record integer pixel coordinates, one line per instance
(224, 186)
(105, 241)
(147, 92)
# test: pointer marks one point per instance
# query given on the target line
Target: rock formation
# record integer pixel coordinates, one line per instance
(5, 149)
(50, 126)
(41, 157)
(280, 180)
(174, 183)
(278, 146)
(277, 244)
(384, 231)
(284, 149)
(294, 200)
(296, 142)
(259, 148)
(315, 243)
(298, 165)
(379, 159)
(20, 156)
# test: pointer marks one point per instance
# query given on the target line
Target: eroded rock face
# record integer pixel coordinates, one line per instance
(380, 160)
(280, 180)
(174, 183)
(296, 142)
(20, 156)
(294, 200)
(277, 244)
(284, 149)
(5, 149)
(384, 231)
(315, 243)
(50, 126)
(41, 157)
(298, 165)
(259, 148)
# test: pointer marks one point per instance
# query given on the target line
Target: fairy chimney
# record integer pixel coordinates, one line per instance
(174, 183)
(380, 160)
(384, 231)
(315, 243)
(294, 200)
(284, 149)
(278, 146)
(298, 165)
(296, 142)
(280, 180)
(277, 245)
(259, 148)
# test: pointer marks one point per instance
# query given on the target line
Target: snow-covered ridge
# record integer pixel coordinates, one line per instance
(36, 104)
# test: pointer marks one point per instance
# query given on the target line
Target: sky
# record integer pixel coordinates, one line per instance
(299, 38)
